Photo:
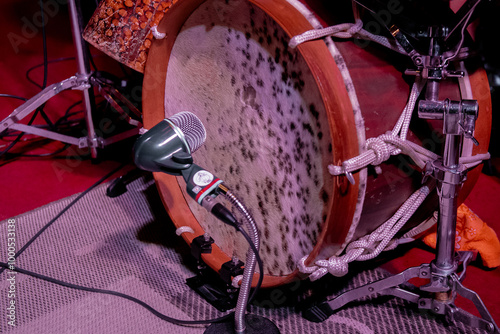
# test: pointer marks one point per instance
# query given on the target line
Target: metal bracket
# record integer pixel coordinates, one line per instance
(36, 101)
(231, 269)
(214, 287)
(82, 81)
(201, 245)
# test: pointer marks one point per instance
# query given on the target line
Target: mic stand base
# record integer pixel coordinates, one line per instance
(254, 325)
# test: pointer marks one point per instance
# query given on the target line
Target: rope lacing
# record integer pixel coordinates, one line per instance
(378, 150)
(369, 246)
(183, 229)
(346, 30)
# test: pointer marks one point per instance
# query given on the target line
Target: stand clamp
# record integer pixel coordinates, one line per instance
(214, 287)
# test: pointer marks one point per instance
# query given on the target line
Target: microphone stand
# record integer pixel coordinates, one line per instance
(244, 323)
(438, 296)
(203, 187)
(84, 81)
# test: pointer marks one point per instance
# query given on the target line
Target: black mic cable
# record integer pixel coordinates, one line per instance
(140, 302)
(46, 226)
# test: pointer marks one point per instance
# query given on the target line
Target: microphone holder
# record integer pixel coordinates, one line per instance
(438, 296)
(83, 80)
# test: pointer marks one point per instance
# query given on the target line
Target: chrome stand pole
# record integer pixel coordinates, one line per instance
(83, 73)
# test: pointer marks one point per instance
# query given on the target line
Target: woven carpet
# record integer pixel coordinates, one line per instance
(128, 244)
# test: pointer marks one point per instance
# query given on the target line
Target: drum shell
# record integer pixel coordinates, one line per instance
(340, 112)
(122, 29)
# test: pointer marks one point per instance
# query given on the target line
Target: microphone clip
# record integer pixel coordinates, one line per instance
(203, 187)
(200, 183)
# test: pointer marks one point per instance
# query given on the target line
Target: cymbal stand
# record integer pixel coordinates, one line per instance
(438, 296)
(85, 81)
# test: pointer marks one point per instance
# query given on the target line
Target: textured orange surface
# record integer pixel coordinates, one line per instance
(473, 234)
(122, 29)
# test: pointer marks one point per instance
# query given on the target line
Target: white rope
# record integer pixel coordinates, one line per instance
(237, 281)
(474, 160)
(345, 30)
(157, 34)
(411, 235)
(183, 229)
(369, 246)
(381, 148)
(378, 150)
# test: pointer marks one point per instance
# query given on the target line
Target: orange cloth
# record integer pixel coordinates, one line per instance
(473, 234)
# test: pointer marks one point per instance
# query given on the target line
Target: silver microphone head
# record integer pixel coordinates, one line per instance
(192, 128)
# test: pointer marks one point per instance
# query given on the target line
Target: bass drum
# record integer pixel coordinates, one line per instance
(276, 117)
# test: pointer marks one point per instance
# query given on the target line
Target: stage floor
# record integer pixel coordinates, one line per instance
(28, 183)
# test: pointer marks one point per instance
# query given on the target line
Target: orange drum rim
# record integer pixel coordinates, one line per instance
(334, 97)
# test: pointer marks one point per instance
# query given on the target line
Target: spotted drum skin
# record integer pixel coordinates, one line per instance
(268, 135)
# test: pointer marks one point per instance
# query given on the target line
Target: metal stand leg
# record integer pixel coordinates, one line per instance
(84, 81)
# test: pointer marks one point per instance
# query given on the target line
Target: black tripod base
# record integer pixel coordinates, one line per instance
(255, 325)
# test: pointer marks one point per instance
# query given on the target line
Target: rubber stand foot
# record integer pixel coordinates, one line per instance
(255, 325)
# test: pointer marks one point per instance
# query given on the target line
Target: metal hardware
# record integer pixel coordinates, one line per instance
(83, 81)
(231, 269)
(201, 245)
(459, 119)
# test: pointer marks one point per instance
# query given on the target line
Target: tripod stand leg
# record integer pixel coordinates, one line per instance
(487, 321)
(386, 286)
(36, 101)
(80, 81)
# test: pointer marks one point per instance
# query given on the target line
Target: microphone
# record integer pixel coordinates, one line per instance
(167, 147)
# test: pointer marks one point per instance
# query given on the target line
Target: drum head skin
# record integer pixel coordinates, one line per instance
(267, 131)
(270, 114)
